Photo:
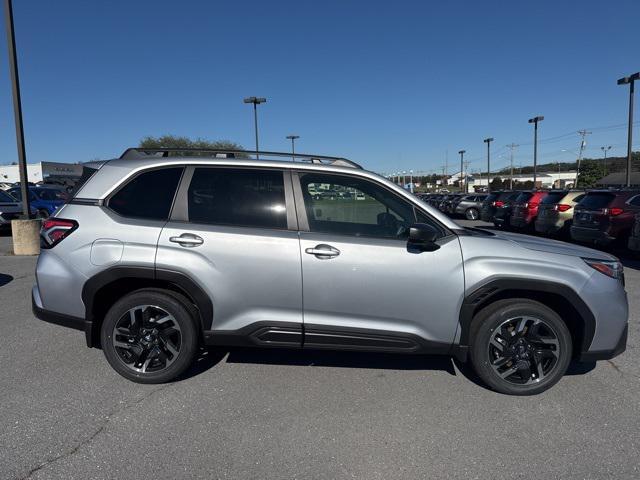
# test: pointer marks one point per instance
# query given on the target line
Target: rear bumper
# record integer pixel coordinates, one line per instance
(56, 318)
(634, 244)
(549, 226)
(591, 235)
(621, 346)
(520, 222)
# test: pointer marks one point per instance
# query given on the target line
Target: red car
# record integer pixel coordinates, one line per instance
(525, 209)
(605, 216)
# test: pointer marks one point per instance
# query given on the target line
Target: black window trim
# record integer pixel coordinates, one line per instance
(180, 210)
(126, 181)
(303, 221)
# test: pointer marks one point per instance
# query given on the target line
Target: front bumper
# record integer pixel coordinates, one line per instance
(59, 318)
(594, 355)
(591, 235)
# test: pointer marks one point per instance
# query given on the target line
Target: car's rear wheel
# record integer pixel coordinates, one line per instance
(520, 347)
(149, 336)
(472, 214)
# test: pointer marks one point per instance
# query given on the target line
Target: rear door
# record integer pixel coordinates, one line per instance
(233, 231)
(363, 288)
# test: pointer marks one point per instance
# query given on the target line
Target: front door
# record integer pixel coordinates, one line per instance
(363, 288)
(233, 231)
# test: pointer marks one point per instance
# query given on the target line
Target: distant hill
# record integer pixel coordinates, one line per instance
(614, 164)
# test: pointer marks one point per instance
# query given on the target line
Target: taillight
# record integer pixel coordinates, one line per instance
(561, 207)
(614, 212)
(54, 230)
(532, 205)
(498, 204)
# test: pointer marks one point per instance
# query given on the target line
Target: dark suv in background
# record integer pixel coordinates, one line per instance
(605, 216)
(634, 239)
(504, 209)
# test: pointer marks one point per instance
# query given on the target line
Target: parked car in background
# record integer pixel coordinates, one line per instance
(605, 216)
(555, 212)
(10, 209)
(469, 206)
(5, 185)
(45, 200)
(525, 209)
(504, 208)
(634, 239)
(489, 206)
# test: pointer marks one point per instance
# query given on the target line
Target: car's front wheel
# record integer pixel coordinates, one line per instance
(472, 214)
(149, 336)
(520, 347)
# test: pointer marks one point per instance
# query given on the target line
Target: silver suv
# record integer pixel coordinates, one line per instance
(162, 252)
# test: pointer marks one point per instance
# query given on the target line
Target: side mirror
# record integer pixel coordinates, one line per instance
(423, 236)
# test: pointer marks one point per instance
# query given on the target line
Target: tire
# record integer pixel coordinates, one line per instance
(472, 214)
(150, 336)
(501, 355)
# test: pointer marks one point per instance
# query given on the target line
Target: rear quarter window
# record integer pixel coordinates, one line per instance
(148, 195)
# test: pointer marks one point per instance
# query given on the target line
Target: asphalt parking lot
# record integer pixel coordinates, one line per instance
(287, 414)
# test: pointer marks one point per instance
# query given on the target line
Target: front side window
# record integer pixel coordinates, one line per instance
(238, 197)
(149, 195)
(352, 206)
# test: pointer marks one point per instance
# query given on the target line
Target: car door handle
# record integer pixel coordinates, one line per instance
(187, 240)
(323, 251)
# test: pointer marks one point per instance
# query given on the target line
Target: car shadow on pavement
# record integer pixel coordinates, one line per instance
(4, 279)
(320, 358)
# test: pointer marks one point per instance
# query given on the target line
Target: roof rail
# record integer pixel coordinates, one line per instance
(139, 152)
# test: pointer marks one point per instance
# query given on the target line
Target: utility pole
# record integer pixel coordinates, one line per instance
(293, 146)
(512, 147)
(461, 152)
(583, 144)
(535, 121)
(17, 109)
(624, 81)
(488, 142)
(604, 160)
(256, 101)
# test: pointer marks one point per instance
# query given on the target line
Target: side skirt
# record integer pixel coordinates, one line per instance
(322, 337)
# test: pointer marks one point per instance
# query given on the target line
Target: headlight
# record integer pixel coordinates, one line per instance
(610, 268)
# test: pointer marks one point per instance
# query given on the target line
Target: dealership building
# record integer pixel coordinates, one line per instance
(37, 172)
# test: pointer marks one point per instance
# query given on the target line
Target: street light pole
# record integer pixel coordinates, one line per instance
(488, 142)
(256, 101)
(623, 81)
(293, 146)
(17, 109)
(462, 152)
(411, 180)
(604, 160)
(535, 121)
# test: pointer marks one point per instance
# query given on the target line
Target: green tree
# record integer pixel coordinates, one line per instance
(497, 184)
(172, 141)
(590, 172)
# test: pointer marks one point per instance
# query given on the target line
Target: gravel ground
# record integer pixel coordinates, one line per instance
(283, 414)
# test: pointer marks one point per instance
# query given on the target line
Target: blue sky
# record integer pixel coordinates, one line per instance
(392, 85)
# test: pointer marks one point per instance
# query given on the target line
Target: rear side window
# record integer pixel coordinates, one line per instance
(552, 197)
(596, 200)
(238, 197)
(524, 197)
(149, 195)
(6, 198)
